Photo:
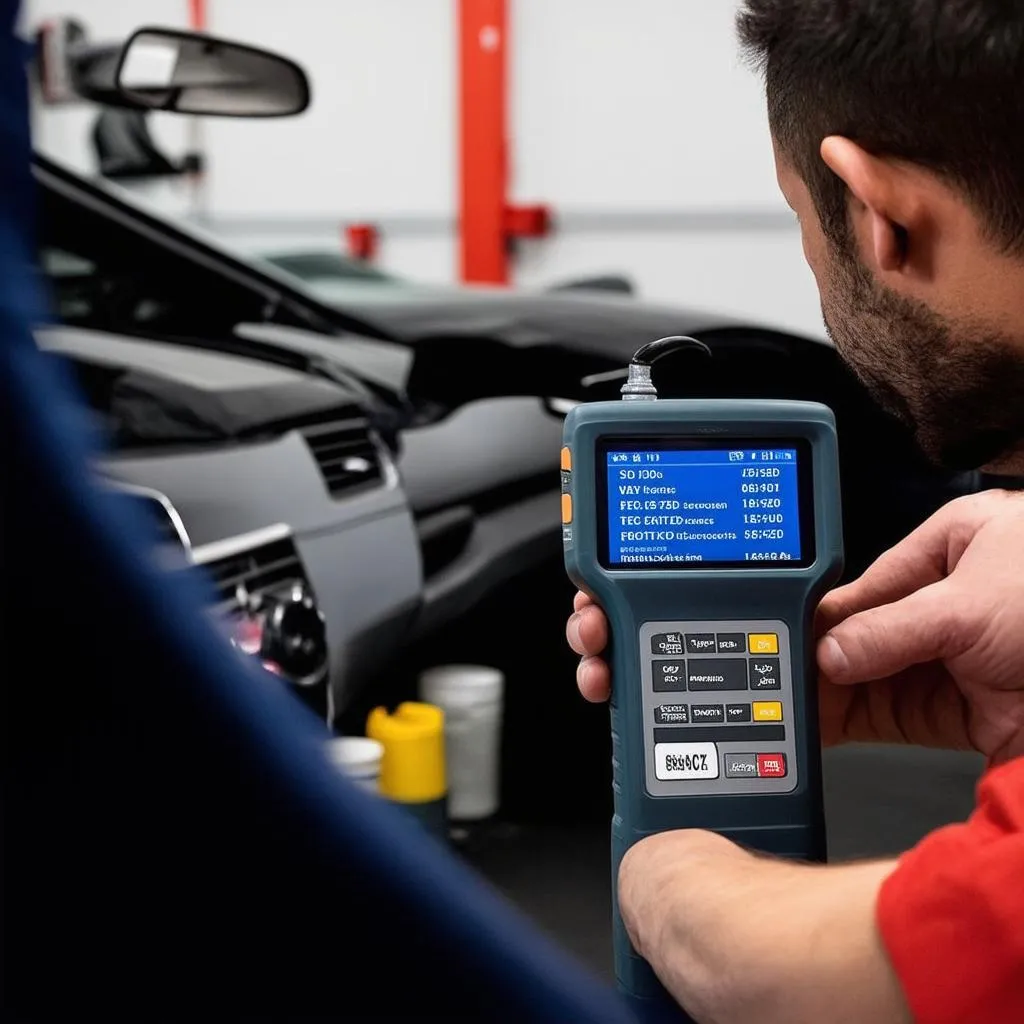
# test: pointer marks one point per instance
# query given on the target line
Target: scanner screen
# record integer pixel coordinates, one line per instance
(674, 505)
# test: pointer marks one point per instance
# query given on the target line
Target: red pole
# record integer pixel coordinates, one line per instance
(197, 182)
(482, 140)
(197, 15)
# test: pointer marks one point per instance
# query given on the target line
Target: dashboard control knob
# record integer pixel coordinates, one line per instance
(295, 635)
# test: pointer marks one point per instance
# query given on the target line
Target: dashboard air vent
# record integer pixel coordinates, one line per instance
(346, 454)
(260, 570)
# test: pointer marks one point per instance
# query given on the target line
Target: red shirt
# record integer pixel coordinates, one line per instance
(952, 913)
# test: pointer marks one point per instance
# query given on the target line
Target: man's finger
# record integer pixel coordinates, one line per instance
(930, 624)
(915, 562)
(594, 680)
(923, 557)
(587, 630)
(581, 600)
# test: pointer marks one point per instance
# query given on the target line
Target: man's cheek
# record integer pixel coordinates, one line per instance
(814, 256)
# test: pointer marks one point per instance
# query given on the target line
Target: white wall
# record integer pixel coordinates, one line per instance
(638, 115)
(635, 121)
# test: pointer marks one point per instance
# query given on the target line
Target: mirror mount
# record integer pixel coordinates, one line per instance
(71, 68)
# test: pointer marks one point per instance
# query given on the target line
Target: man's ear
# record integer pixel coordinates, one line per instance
(885, 212)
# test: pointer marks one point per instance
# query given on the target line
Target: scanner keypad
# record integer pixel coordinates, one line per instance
(719, 712)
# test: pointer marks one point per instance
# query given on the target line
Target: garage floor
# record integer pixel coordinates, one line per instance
(879, 800)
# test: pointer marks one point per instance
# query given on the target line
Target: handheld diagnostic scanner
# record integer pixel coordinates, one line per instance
(707, 530)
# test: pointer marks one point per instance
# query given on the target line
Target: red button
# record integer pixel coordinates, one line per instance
(771, 766)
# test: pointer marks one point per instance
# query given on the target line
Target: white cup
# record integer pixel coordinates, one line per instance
(359, 758)
(471, 698)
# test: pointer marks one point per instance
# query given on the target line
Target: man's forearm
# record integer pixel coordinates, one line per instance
(740, 938)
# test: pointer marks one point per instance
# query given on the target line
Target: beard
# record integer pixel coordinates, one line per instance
(958, 386)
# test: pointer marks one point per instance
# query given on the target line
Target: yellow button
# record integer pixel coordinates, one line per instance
(566, 459)
(566, 508)
(764, 643)
(767, 711)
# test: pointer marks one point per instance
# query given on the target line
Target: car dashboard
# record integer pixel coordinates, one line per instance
(273, 480)
(323, 484)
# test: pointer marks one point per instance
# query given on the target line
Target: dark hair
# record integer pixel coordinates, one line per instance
(936, 82)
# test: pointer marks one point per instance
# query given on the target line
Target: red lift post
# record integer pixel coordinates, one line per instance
(482, 140)
(488, 222)
(197, 15)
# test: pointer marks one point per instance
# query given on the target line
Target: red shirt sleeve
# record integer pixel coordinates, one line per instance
(952, 913)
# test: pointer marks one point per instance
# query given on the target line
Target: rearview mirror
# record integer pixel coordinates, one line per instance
(192, 73)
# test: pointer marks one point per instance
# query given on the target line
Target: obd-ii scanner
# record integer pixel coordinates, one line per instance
(707, 530)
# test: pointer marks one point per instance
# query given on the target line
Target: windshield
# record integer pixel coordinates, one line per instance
(161, 205)
(318, 272)
(315, 272)
(111, 265)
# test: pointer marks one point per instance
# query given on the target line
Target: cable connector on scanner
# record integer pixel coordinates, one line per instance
(639, 386)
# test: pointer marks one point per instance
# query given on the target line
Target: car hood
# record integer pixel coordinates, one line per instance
(147, 392)
(601, 325)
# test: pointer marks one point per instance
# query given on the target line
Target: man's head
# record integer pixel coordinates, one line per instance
(899, 138)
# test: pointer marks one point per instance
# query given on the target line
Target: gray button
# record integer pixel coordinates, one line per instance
(706, 713)
(672, 714)
(732, 643)
(669, 675)
(717, 673)
(700, 643)
(765, 674)
(737, 712)
(740, 766)
(667, 644)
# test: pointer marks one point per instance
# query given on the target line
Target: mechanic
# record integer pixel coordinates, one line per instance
(898, 128)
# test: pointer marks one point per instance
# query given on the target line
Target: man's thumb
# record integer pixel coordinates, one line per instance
(930, 624)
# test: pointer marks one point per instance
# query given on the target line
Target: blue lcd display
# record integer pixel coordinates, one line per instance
(705, 506)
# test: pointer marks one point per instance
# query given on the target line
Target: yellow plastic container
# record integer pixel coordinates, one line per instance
(412, 770)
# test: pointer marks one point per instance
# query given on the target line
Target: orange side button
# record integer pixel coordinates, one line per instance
(566, 458)
(566, 508)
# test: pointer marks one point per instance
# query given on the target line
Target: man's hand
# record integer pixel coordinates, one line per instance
(926, 647)
(738, 938)
(587, 633)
